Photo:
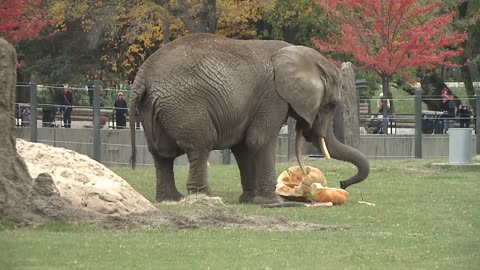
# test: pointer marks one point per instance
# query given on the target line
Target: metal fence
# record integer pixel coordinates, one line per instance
(407, 136)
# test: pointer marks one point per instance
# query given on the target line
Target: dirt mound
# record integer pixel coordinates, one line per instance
(87, 184)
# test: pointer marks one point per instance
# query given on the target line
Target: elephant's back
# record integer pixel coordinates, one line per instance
(196, 51)
(193, 63)
(205, 76)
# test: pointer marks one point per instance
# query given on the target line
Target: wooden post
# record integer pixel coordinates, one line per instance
(33, 110)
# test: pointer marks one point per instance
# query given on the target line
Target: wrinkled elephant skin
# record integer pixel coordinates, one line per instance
(204, 92)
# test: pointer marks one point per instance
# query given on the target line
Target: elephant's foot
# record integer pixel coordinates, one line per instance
(205, 190)
(165, 197)
(247, 197)
(266, 199)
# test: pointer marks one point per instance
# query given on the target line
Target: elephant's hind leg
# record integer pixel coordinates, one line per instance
(166, 189)
(244, 158)
(197, 174)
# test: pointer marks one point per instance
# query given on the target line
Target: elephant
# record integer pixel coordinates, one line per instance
(205, 92)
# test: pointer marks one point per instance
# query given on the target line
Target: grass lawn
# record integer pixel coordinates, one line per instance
(425, 217)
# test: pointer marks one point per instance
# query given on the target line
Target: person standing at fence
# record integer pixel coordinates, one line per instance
(448, 107)
(464, 114)
(121, 111)
(380, 104)
(67, 106)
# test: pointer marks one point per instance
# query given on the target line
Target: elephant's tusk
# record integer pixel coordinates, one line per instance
(298, 149)
(324, 148)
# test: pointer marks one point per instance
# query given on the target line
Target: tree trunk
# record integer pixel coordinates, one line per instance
(166, 29)
(204, 21)
(212, 16)
(351, 131)
(432, 86)
(21, 198)
(467, 54)
(14, 178)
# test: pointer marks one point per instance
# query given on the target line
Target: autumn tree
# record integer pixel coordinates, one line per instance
(22, 19)
(292, 21)
(469, 21)
(391, 36)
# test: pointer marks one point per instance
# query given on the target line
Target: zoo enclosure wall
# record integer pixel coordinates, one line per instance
(113, 145)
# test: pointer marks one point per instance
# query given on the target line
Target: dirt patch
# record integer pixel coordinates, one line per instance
(210, 218)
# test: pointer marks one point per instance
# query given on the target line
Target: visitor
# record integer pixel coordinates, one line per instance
(464, 114)
(448, 107)
(26, 113)
(121, 111)
(380, 104)
(67, 106)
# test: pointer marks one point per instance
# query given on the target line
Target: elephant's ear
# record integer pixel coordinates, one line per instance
(301, 76)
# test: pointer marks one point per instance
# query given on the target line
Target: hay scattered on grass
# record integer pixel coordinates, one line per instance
(199, 199)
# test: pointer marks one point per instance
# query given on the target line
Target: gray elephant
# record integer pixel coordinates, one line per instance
(204, 92)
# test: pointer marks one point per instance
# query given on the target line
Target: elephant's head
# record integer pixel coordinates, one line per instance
(312, 86)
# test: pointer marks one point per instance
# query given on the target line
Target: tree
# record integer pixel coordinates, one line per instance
(469, 20)
(391, 36)
(293, 21)
(22, 19)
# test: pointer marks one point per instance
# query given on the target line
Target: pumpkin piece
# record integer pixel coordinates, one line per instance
(324, 194)
(292, 182)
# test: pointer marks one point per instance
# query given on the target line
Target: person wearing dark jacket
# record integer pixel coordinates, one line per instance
(66, 100)
(121, 111)
(465, 114)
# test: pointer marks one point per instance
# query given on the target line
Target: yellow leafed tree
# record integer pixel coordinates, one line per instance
(126, 32)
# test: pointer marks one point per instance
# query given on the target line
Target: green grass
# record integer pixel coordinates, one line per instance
(425, 217)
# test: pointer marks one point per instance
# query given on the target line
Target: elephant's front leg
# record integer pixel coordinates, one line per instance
(197, 175)
(166, 188)
(257, 170)
(264, 170)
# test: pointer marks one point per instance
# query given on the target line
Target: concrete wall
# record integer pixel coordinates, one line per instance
(116, 145)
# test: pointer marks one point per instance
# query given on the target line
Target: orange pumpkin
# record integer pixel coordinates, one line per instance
(293, 182)
(325, 194)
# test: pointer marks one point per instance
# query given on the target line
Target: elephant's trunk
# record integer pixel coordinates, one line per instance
(346, 153)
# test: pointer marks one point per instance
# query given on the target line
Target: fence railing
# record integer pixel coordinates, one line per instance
(93, 115)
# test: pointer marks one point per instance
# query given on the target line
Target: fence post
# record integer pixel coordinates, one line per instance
(418, 124)
(226, 156)
(477, 117)
(96, 121)
(33, 110)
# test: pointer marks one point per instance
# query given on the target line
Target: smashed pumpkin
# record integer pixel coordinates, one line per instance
(293, 184)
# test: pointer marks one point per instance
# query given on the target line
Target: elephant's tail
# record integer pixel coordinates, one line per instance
(136, 95)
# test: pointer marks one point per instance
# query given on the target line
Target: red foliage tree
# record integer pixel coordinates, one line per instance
(391, 36)
(22, 19)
